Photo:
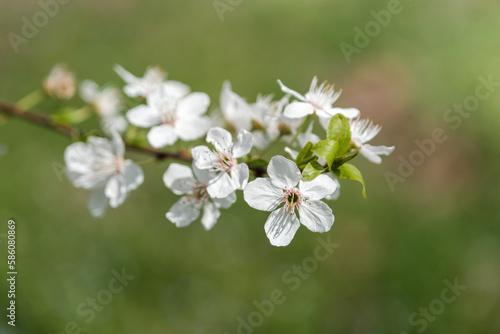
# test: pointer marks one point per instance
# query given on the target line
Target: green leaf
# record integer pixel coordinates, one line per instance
(257, 163)
(70, 115)
(327, 149)
(339, 130)
(339, 161)
(312, 170)
(305, 156)
(350, 172)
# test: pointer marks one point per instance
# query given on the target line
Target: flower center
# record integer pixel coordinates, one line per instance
(292, 198)
(226, 161)
(200, 192)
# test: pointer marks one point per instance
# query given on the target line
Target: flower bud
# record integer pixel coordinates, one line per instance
(60, 83)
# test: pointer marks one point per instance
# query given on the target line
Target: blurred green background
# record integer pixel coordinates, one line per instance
(397, 247)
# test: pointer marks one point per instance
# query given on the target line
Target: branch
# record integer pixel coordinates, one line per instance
(72, 132)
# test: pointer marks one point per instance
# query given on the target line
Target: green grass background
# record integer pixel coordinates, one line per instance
(396, 247)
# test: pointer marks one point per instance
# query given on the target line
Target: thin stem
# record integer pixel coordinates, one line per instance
(30, 100)
(304, 125)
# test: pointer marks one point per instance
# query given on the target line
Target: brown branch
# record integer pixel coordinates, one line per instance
(72, 132)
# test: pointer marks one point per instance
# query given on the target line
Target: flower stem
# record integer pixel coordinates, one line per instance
(30, 100)
(304, 125)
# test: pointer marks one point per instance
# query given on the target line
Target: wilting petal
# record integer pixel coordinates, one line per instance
(243, 145)
(280, 227)
(316, 216)
(239, 175)
(97, 203)
(179, 179)
(184, 212)
(143, 116)
(220, 138)
(298, 109)
(261, 194)
(192, 128)
(318, 188)
(203, 157)
(210, 216)
(221, 187)
(195, 104)
(284, 173)
(162, 135)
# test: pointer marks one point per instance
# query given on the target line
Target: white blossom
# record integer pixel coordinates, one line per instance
(231, 175)
(107, 103)
(172, 115)
(60, 83)
(98, 165)
(291, 200)
(319, 100)
(181, 181)
(235, 109)
(362, 131)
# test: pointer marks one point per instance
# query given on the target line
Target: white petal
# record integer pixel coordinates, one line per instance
(143, 116)
(240, 175)
(280, 227)
(225, 202)
(114, 123)
(293, 154)
(203, 157)
(284, 173)
(97, 203)
(184, 212)
(372, 153)
(220, 138)
(318, 188)
(192, 128)
(162, 135)
(243, 145)
(133, 176)
(234, 108)
(179, 178)
(118, 145)
(88, 90)
(76, 157)
(298, 109)
(335, 195)
(221, 187)
(203, 175)
(262, 195)
(347, 112)
(176, 89)
(195, 104)
(287, 90)
(124, 74)
(116, 191)
(210, 216)
(316, 216)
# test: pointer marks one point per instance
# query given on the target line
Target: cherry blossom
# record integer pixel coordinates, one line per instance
(180, 179)
(291, 200)
(231, 175)
(60, 83)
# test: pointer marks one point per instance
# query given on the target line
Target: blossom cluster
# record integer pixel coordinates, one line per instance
(316, 142)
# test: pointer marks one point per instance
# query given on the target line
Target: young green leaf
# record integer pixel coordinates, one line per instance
(305, 156)
(339, 130)
(312, 170)
(350, 172)
(327, 149)
(339, 161)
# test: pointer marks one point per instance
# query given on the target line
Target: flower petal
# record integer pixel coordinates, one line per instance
(318, 188)
(280, 227)
(143, 116)
(284, 173)
(184, 212)
(221, 187)
(372, 153)
(204, 176)
(298, 109)
(287, 90)
(347, 112)
(133, 175)
(179, 178)
(195, 104)
(192, 128)
(316, 216)
(116, 191)
(335, 195)
(243, 145)
(225, 202)
(220, 138)
(97, 203)
(262, 195)
(176, 89)
(203, 157)
(88, 90)
(162, 135)
(210, 216)
(240, 175)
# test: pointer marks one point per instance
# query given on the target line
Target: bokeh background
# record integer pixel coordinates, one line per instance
(397, 247)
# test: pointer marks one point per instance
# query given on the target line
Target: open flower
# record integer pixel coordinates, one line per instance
(286, 195)
(60, 83)
(106, 103)
(181, 181)
(172, 115)
(99, 166)
(235, 109)
(317, 100)
(231, 175)
(362, 131)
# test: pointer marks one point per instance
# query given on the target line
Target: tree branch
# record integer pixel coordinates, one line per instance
(72, 132)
